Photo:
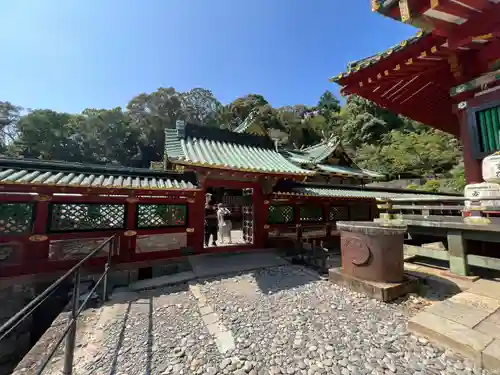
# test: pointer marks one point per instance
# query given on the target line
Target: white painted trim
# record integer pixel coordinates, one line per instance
(465, 5)
(402, 87)
(444, 16)
(487, 91)
(416, 92)
(392, 88)
(431, 58)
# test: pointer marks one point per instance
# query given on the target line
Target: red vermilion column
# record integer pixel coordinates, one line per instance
(260, 216)
(473, 173)
(36, 249)
(129, 239)
(196, 217)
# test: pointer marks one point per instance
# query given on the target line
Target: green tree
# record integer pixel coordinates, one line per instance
(241, 107)
(150, 115)
(328, 102)
(48, 135)
(363, 122)
(9, 115)
(107, 136)
(430, 152)
(200, 106)
(329, 107)
(378, 139)
(456, 181)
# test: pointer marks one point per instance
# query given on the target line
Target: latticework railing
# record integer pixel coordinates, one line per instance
(281, 214)
(51, 230)
(311, 213)
(161, 215)
(16, 218)
(84, 217)
(338, 213)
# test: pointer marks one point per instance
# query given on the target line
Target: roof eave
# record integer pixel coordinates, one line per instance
(306, 173)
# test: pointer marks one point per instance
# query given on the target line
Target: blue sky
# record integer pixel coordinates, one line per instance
(69, 55)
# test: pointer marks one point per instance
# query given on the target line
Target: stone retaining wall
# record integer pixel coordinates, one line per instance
(18, 343)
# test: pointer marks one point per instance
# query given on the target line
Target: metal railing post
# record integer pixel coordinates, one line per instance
(71, 338)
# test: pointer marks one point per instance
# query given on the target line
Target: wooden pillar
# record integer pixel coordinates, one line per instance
(457, 249)
(196, 219)
(36, 249)
(473, 173)
(128, 241)
(326, 219)
(298, 225)
(261, 214)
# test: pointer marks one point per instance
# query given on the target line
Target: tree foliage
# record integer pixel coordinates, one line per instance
(9, 115)
(420, 153)
(134, 136)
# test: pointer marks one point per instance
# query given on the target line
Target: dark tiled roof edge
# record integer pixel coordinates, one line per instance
(62, 166)
(366, 62)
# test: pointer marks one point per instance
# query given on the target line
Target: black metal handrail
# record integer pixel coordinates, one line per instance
(70, 331)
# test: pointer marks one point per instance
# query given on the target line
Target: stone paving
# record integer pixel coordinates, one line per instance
(468, 323)
(280, 320)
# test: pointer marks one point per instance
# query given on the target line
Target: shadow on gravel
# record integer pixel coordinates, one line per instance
(131, 298)
(120, 341)
(275, 279)
(434, 287)
(150, 338)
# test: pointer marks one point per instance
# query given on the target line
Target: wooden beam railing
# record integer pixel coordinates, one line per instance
(458, 220)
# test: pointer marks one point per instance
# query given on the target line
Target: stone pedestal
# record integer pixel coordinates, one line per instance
(372, 251)
(373, 260)
(384, 292)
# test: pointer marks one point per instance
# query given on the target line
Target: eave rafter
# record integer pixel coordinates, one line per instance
(490, 54)
(479, 25)
(416, 112)
(422, 97)
(445, 17)
(402, 68)
(453, 8)
(438, 77)
(382, 65)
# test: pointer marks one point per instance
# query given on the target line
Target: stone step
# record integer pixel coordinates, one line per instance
(455, 336)
(467, 323)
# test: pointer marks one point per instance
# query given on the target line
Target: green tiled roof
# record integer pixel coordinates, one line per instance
(356, 66)
(314, 155)
(372, 173)
(39, 173)
(337, 192)
(247, 125)
(219, 148)
(341, 170)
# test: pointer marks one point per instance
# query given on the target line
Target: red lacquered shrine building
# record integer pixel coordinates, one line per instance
(447, 76)
(54, 213)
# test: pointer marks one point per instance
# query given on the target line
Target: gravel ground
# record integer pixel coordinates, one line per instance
(283, 320)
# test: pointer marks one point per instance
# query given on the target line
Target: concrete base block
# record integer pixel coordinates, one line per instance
(381, 291)
(455, 336)
(491, 356)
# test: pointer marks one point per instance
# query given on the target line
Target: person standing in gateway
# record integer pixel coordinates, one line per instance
(211, 227)
(225, 224)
